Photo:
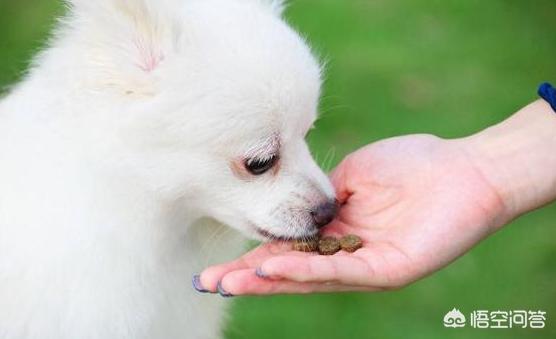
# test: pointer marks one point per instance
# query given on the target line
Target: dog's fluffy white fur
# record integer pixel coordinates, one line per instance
(126, 139)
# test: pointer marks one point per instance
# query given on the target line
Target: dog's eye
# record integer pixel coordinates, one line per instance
(258, 166)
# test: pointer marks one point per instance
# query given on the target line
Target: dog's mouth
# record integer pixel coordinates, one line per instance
(269, 236)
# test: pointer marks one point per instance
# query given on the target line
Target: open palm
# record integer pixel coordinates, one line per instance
(418, 202)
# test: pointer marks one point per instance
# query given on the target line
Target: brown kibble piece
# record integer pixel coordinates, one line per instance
(309, 245)
(351, 243)
(328, 245)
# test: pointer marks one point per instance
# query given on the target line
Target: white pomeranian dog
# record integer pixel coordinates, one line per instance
(143, 121)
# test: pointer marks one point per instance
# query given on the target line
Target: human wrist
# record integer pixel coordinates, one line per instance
(517, 158)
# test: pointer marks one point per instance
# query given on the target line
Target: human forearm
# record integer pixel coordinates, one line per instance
(518, 158)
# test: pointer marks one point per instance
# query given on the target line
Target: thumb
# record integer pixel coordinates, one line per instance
(340, 179)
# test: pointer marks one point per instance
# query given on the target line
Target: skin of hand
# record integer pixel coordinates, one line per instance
(418, 202)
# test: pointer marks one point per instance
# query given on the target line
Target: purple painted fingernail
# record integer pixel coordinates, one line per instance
(222, 291)
(196, 281)
(259, 273)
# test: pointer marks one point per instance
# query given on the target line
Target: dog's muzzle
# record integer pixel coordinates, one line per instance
(324, 213)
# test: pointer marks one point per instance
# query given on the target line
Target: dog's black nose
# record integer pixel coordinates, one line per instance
(324, 213)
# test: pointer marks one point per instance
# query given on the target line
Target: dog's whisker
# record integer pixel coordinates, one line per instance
(330, 155)
(214, 243)
(214, 234)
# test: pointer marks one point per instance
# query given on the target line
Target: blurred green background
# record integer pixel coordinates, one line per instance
(396, 67)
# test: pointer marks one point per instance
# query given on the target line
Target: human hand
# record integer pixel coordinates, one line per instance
(418, 202)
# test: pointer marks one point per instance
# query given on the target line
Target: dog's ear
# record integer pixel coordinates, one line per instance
(128, 39)
(277, 6)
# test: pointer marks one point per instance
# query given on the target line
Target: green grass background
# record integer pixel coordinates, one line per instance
(396, 67)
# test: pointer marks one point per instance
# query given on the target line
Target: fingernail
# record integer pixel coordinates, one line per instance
(222, 291)
(196, 281)
(259, 273)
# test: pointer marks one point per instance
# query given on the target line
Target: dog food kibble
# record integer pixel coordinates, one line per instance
(351, 243)
(328, 245)
(310, 245)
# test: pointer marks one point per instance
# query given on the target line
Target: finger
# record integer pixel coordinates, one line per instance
(246, 282)
(345, 269)
(210, 277)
